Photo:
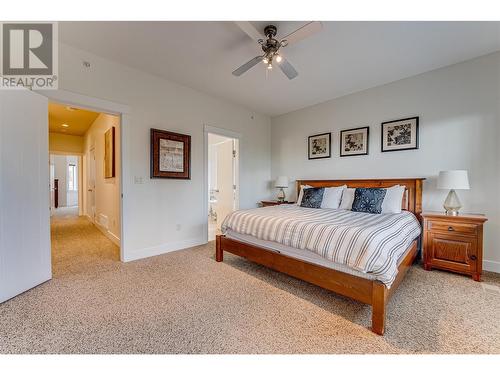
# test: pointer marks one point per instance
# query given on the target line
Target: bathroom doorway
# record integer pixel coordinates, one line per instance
(222, 175)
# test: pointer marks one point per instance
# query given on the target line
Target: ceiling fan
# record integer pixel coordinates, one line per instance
(271, 46)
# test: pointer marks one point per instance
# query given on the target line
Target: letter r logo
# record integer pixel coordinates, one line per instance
(27, 49)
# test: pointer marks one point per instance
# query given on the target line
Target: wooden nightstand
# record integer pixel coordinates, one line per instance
(273, 203)
(454, 243)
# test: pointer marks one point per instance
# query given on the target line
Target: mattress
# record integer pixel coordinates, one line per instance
(303, 255)
(371, 244)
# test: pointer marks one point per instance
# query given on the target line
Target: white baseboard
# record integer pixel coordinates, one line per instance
(112, 237)
(161, 249)
(491, 266)
(115, 239)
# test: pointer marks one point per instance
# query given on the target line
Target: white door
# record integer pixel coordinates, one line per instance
(225, 180)
(91, 184)
(24, 192)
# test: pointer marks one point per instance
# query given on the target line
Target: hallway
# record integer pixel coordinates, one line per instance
(78, 246)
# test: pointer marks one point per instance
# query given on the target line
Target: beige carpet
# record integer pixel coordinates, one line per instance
(185, 302)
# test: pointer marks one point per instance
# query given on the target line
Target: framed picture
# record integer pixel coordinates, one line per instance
(320, 146)
(170, 155)
(400, 134)
(354, 141)
(109, 153)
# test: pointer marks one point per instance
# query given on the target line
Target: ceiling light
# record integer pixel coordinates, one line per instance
(265, 60)
(269, 66)
(278, 58)
(65, 125)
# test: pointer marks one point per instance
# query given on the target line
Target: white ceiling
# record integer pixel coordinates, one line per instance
(344, 57)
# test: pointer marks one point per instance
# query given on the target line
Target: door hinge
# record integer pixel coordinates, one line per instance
(234, 153)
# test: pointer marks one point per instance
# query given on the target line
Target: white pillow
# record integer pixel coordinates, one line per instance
(332, 197)
(347, 199)
(301, 194)
(393, 200)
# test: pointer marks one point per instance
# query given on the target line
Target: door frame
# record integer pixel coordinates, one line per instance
(123, 112)
(225, 133)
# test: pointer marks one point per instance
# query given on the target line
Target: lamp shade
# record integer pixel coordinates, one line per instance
(457, 179)
(281, 182)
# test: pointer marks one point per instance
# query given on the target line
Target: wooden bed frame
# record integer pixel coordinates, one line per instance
(371, 292)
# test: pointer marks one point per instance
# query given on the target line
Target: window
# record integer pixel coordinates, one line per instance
(72, 178)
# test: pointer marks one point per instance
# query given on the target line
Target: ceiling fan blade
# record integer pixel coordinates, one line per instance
(287, 68)
(304, 32)
(242, 69)
(250, 30)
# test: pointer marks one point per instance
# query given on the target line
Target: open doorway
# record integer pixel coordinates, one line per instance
(65, 190)
(222, 175)
(84, 160)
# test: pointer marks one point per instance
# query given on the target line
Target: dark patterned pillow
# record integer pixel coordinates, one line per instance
(312, 197)
(368, 200)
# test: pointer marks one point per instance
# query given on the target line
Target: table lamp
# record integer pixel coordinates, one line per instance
(453, 180)
(281, 183)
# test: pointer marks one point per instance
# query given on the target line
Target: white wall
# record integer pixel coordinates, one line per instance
(107, 190)
(164, 214)
(69, 144)
(459, 129)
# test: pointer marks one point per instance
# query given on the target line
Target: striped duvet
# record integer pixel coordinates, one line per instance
(365, 242)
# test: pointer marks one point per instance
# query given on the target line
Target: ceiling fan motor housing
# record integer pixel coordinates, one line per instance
(270, 31)
(270, 46)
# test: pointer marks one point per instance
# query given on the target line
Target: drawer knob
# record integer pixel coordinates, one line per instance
(473, 257)
(450, 229)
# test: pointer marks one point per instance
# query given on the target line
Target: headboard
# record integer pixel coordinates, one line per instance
(412, 199)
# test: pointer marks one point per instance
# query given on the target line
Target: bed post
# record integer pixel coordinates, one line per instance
(219, 256)
(379, 300)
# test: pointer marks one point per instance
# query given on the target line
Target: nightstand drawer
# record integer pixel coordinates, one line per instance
(459, 228)
(453, 252)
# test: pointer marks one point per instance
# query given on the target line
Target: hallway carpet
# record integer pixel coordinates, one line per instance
(185, 302)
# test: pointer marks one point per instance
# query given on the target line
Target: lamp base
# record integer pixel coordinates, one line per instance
(281, 195)
(452, 204)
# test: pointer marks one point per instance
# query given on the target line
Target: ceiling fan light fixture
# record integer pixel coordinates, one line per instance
(270, 46)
